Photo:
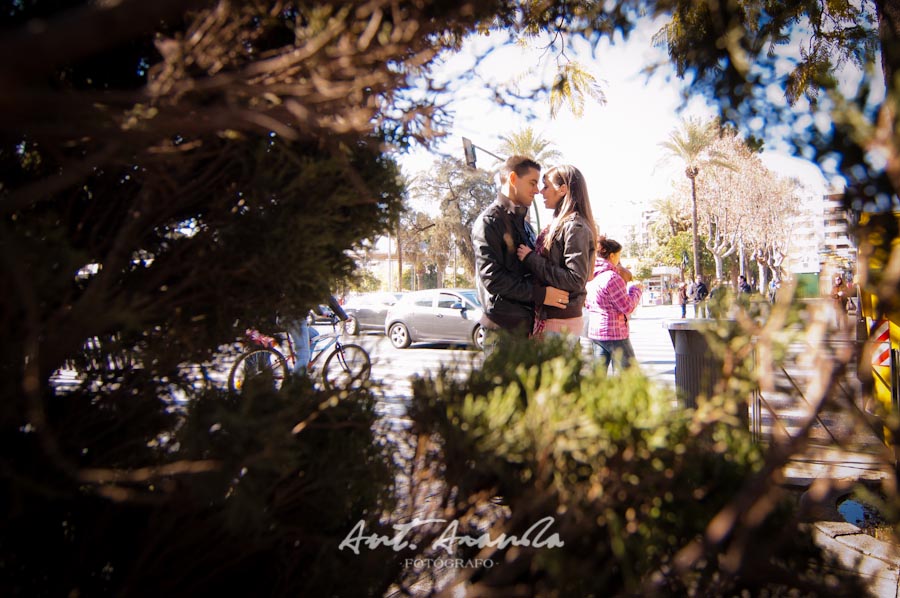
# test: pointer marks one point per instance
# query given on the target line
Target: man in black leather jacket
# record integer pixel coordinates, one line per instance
(507, 291)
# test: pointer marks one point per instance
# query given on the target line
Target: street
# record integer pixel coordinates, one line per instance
(785, 408)
(392, 368)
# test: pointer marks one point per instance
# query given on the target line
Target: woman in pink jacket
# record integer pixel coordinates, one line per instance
(609, 301)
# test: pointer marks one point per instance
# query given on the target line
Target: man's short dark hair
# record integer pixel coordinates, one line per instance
(520, 165)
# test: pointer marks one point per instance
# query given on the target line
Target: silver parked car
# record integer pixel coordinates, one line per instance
(367, 311)
(435, 315)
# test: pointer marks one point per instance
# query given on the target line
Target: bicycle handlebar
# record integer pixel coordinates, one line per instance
(336, 309)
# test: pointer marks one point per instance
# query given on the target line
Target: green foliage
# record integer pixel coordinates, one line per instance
(429, 278)
(644, 272)
(735, 51)
(136, 252)
(670, 251)
(248, 495)
(150, 214)
(239, 240)
(630, 480)
(527, 142)
(459, 281)
(572, 84)
(461, 193)
(407, 280)
(364, 281)
(691, 144)
(174, 279)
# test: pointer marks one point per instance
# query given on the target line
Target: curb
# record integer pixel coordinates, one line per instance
(827, 475)
(877, 563)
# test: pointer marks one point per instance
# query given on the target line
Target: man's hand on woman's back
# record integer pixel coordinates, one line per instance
(556, 297)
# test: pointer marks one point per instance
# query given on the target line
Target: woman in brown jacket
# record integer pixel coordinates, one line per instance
(840, 293)
(564, 250)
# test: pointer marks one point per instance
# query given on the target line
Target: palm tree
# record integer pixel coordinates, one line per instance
(692, 145)
(572, 84)
(671, 210)
(528, 143)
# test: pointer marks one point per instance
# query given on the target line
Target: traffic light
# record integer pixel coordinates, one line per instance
(469, 150)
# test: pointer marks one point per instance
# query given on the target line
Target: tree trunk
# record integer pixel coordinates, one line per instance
(889, 34)
(467, 250)
(696, 239)
(399, 261)
(763, 285)
(719, 250)
(390, 272)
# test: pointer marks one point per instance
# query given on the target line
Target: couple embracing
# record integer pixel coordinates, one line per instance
(538, 284)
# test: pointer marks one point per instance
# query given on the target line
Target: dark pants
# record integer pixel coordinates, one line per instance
(701, 309)
(619, 352)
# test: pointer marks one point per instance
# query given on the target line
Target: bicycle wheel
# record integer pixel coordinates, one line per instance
(348, 366)
(260, 368)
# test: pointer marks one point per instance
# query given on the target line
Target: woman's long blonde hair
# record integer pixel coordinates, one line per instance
(575, 201)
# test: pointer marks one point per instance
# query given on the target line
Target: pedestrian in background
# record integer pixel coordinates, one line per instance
(507, 291)
(719, 299)
(773, 290)
(683, 299)
(303, 335)
(701, 292)
(564, 251)
(609, 302)
(840, 293)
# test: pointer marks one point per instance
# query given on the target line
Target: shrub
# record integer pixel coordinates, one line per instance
(647, 498)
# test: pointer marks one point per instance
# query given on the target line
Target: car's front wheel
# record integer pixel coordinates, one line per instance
(399, 335)
(478, 337)
(351, 325)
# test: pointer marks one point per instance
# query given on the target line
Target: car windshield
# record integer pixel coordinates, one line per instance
(471, 297)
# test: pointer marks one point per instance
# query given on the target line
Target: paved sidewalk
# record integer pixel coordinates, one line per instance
(652, 343)
(833, 459)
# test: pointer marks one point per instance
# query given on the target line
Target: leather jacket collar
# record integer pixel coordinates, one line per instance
(511, 207)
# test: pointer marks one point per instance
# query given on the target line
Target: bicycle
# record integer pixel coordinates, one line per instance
(346, 365)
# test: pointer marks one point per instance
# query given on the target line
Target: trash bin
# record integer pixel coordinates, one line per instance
(697, 369)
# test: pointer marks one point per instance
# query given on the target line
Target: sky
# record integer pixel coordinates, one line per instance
(616, 145)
